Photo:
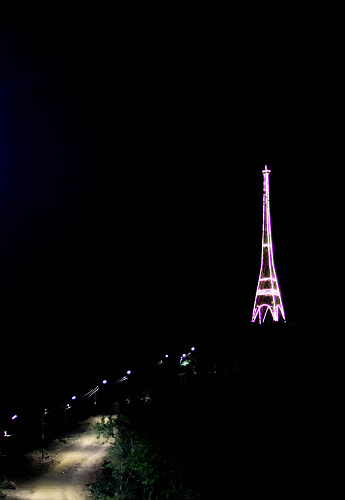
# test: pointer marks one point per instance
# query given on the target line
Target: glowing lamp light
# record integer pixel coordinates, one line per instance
(74, 397)
(192, 348)
(129, 372)
(105, 381)
(167, 355)
(14, 417)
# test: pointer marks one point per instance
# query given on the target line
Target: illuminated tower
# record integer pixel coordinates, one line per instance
(267, 296)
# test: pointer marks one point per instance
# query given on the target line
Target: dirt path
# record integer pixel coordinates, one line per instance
(69, 466)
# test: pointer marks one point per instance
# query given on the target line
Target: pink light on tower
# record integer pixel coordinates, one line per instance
(267, 296)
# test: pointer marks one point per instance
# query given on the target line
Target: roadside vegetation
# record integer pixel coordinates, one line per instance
(169, 440)
(137, 468)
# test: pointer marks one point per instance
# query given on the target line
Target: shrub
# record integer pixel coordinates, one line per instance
(137, 468)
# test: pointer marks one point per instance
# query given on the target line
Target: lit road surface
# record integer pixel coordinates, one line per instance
(73, 467)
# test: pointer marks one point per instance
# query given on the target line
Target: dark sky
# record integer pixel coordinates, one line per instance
(130, 178)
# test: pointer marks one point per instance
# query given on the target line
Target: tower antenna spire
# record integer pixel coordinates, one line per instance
(267, 296)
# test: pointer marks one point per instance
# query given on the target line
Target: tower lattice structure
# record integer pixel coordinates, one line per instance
(267, 296)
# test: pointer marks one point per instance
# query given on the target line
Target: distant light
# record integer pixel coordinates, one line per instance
(105, 381)
(167, 355)
(14, 417)
(184, 355)
(129, 372)
(74, 397)
(68, 407)
(192, 348)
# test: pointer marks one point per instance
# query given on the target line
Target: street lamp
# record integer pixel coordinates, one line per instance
(43, 414)
(5, 434)
(67, 407)
(95, 401)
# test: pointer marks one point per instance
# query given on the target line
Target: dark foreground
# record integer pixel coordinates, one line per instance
(262, 416)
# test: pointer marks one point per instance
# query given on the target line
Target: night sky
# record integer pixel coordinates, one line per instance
(131, 186)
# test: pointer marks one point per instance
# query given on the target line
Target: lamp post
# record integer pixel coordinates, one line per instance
(126, 378)
(4, 434)
(43, 414)
(67, 407)
(160, 363)
(95, 401)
